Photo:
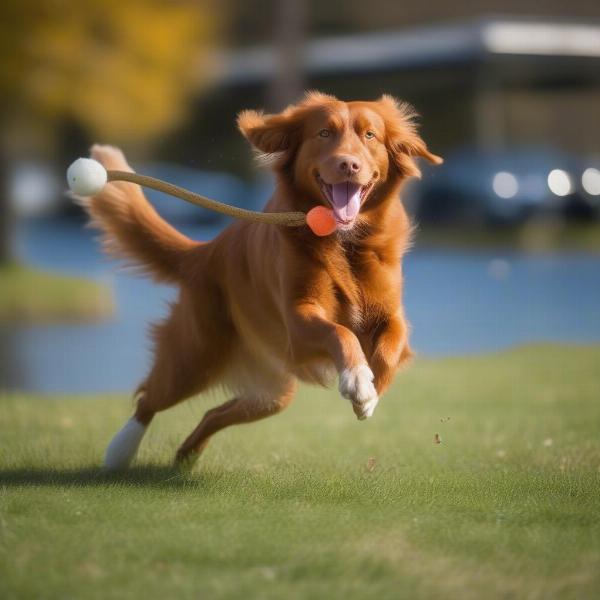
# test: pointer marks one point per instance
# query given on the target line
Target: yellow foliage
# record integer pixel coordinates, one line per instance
(122, 68)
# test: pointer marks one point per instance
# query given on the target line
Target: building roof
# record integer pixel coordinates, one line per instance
(421, 47)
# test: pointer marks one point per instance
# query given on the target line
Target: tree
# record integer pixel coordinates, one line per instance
(289, 33)
(123, 70)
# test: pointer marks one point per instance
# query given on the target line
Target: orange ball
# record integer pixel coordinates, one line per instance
(321, 221)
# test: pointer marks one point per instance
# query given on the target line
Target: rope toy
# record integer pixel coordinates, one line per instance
(87, 177)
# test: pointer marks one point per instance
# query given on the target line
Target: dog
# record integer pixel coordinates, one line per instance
(262, 306)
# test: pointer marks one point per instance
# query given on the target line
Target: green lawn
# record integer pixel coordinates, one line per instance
(314, 504)
(28, 295)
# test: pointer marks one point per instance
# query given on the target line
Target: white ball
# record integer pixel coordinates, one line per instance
(86, 177)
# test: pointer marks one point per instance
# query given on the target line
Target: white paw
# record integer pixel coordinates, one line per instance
(123, 447)
(356, 384)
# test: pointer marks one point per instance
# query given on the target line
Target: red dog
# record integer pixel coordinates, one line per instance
(261, 306)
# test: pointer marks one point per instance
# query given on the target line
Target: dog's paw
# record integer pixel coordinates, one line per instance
(185, 462)
(356, 384)
(123, 447)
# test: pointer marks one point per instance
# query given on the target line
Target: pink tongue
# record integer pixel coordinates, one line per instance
(346, 200)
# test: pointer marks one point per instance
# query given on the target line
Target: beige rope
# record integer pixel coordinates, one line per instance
(291, 219)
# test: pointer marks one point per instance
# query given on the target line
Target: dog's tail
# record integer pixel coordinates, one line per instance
(131, 228)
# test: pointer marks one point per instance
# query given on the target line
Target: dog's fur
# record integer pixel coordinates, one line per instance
(261, 306)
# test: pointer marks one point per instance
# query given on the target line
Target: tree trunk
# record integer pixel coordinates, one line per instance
(288, 80)
(7, 220)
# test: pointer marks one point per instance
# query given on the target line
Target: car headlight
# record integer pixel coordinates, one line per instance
(505, 184)
(590, 180)
(559, 182)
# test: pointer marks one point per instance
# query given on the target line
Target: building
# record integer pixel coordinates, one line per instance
(488, 82)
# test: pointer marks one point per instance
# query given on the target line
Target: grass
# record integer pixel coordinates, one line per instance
(314, 504)
(536, 236)
(28, 295)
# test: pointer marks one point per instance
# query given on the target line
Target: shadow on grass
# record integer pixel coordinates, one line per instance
(283, 486)
(152, 476)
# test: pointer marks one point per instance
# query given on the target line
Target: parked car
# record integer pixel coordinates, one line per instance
(590, 183)
(506, 186)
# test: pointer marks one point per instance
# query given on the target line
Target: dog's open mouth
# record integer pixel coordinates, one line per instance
(345, 198)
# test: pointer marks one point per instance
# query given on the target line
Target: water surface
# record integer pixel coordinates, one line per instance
(457, 302)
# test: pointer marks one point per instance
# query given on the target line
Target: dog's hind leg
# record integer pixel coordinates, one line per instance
(243, 409)
(124, 445)
(187, 360)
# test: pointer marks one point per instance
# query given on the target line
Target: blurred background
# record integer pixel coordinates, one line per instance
(508, 241)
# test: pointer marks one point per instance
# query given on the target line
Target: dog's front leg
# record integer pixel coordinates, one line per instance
(391, 349)
(312, 335)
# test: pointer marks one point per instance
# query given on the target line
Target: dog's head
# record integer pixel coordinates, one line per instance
(339, 153)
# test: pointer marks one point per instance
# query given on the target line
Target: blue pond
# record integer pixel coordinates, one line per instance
(457, 302)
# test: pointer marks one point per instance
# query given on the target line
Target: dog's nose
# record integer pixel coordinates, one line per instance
(349, 165)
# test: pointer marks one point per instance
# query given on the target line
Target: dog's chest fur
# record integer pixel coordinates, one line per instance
(365, 289)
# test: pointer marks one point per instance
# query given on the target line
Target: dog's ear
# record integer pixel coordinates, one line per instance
(402, 139)
(270, 134)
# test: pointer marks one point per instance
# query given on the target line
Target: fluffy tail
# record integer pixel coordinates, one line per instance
(131, 228)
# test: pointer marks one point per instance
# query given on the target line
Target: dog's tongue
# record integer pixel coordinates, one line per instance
(346, 200)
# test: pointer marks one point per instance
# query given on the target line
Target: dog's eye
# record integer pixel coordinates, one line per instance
(324, 133)
(370, 135)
